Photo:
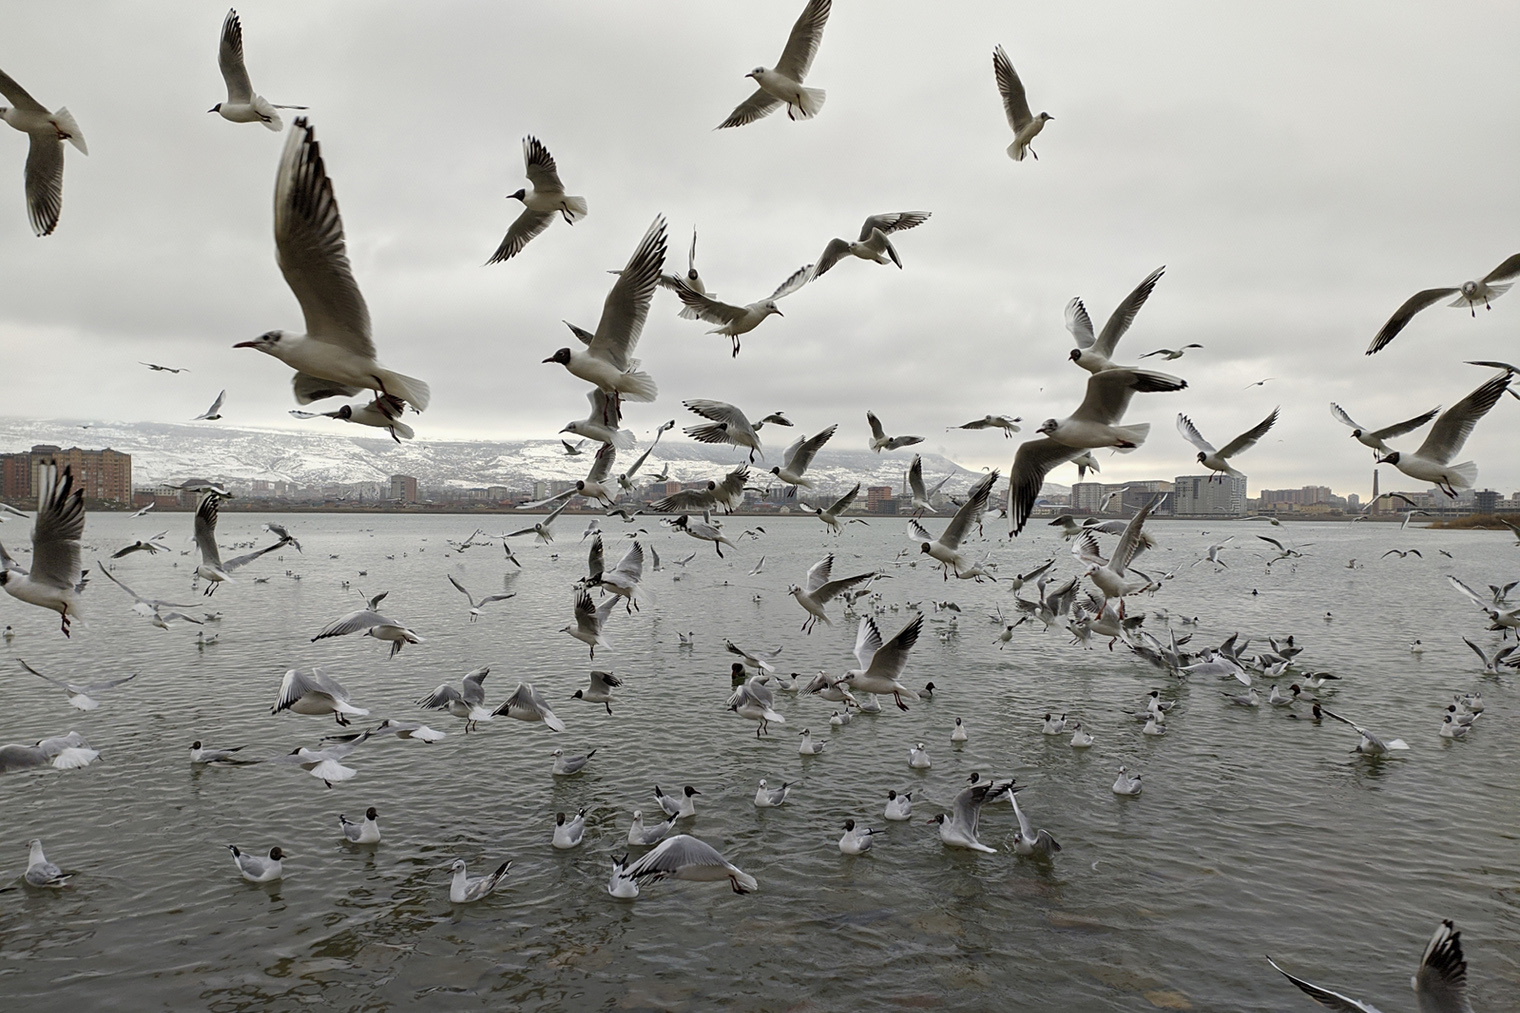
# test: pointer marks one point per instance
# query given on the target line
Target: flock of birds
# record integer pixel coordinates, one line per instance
(335, 357)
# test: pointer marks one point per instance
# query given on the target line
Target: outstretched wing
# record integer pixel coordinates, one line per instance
(1015, 105)
(970, 512)
(229, 55)
(1409, 426)
(1192, 435)
(1324, 996)
(1457, 423)
(1404, 314)
(1124, 314)
(627, 305)
(1248, 439)
(1344, 419)
(802, 45)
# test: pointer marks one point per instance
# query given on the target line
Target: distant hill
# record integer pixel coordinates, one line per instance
(348, 454)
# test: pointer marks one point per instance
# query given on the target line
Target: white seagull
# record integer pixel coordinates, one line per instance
(945, 549)
(1171, 353)
(830, 514)
(607, 361)
(1374, 438)
(899, 807)
(683, 807)
(769, 798)
(1469, 294)
(212, 569)
(1007, 423)
(1370, 744)
(820, 590)
(753, 701)
(374, 625)
(569, 831)
(881, 441)
(799, 455)
(40, 872)
(732, 320)
(590, 620)
(642, 835)
(1219, 460)
(243, 104)
(540, 204)
(213, 413)
(882, 664)
(856, 840)
(958, 828)
(600, 691)
(365, 832)
(56, 577)
(46, 132)
(335, 357)
(256, 869)
(873, 244)
(564, 765)
(703, 531)
(685, 857)
(1432, 462)
(315, 694)
(1127, 783)
(467, 702)
(525, 704)
(466, 889)
(476, 606)
(384, 412)
(784, 82)
(1025, 125)
(1440, 982)
(81, 697)
(1095, 353)
(730, 425)
(1028, 841)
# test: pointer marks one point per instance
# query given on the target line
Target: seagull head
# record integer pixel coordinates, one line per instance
(1076, 354)
(771, 307)
(1046, 116)
(371, 813)
(1049, 425)
(756, 72)
(458, 866)
(1392, 458)
(573, 427)
(519, 195)
(266, 343)
(1201, 456)
(923, 547)
(562, 357)
(849, 824)
(690, 791)
(275, 854)
(559, 819)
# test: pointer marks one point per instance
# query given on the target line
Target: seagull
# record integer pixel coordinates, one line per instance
(1370, 744)
(213, 413)
(476, 606)
(374, 625)
(1505, 619)
(1440, 983)
(526, 705)
(1006, 423)
(1247, 699)
(466, 889)
(641, 836)
(1490, 663)
(1025, 125)
(42, 873)
(1171, 353)
(1079, 738)
(1402, 553)
(256, 869)
(542, 529)
(686, 857)
(729, 425)
(873, 245)
(958, 733)
(1374, 439)
(414, 730)
(732, 320)
(1127, 783)
(1219, 460)
(945, 550)
(769, 798)
(691, 279)
(882, 664)
(62, 752)
(623, 580)
(809, 747)
(607, 361)
(753, 701)
(1432, 462)
(201, 755)
(921, 494)
(1095, 354)
(596, 485)
(243, 105)
(602, 424)
(958, 829)
(756, 660)
(56, 578)
(155, 367)
(1095, 424)
(46, 133)
(704, 531)
(212, 569)
(881, 441)
(569, 832)
(367, 832)
(727, 494)
(315, 694)
(820, 590)
(81, 697)
(856, 840)
(335, 357)
(467, 702)
(1470, 293)
(784, 82)
(899, 807)
(602, 685)
(678, 808)
(384, 412)
(151, 547)
(1027, 841)
(799, 455)
(625, 479)
(567, 765)
(589, 621)
(540, 204)
(1214, 551)
(918, 757)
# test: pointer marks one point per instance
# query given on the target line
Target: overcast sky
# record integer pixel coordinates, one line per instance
(1300, 168)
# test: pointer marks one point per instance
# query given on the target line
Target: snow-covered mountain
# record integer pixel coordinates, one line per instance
(349, 455)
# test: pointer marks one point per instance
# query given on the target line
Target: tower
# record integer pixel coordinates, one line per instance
(1374, 485)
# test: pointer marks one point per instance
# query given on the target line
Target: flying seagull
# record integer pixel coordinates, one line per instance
(1171, 353)
(155, 367)
(1432, 462)
(784, 82)
(540, 204)
(56, 578)
(873, 244)
(1026, 126)
(729, 425)
(243, 104)
(213, 413)
(1095, 353)
(1440, 982)
(1219, 460)
(46, 133)
(1470, 293)
(1374, 439)
(384, 412)
(335, 357)
(881, 441)
(1006, 423)
(736, 320)
(799, 455)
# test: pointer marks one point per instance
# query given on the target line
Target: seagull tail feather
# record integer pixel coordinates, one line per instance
(409, 389)
(637, 386)
(576, 208)
(1134, 435)
(809, 103)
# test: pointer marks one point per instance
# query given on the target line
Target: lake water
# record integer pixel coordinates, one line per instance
(1256, 833)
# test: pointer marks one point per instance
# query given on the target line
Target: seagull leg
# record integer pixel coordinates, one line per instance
(608, 706)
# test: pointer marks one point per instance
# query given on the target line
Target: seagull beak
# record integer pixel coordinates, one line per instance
(246, 344)
(778, 312)
(549, 359)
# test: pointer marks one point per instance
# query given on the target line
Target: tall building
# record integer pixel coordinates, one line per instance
(403, 488)
(879, 500)
(1087, 497)
(104, 475)
(1199, 496)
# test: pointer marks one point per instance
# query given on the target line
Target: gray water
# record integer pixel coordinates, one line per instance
(1256, 833)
